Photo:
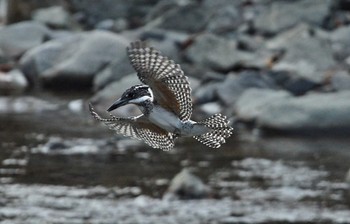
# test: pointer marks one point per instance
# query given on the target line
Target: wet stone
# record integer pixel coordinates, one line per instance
(67, 62)
(341, 81)
(12, 82)
(55, 16)
(185, 185)
(12, 41)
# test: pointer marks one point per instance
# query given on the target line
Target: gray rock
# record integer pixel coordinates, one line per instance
(340, 42)
(225, 20)
(76, 106)
(165, 41)
(215, 5)
(202, 73)
(234, 85)
(25, 105)
(161, 8)
(61, 34)
(250, 103)
(206, 93)
(107, 24)
(113, 72)
(17, 38)
(40, 59)
(55, 16)
(13, 82)
(341, 81)
(74, 60)
(316, 111)
(194, 83)
(185, 185)
(291, 82)
(117, 25)
(193, 16)
(93, 13)
(223, 55)
(307, 53)
(22, 10)
(281, 15)
(211, 108)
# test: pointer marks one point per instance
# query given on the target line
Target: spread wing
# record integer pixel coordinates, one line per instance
(170, 86)
(140, 128)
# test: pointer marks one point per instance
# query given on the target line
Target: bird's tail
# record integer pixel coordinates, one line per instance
(220, 131)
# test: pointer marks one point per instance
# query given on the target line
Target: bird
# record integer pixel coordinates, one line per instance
(164, 98)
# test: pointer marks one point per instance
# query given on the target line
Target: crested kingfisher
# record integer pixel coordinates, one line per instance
(164, 99)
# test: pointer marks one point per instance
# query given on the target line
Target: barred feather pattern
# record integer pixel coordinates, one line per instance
(160, 74)
(220, 131)
(131, 128)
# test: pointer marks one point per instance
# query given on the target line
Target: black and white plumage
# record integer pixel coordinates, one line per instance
(165, 101)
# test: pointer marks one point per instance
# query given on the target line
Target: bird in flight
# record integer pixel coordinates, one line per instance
(164, 99)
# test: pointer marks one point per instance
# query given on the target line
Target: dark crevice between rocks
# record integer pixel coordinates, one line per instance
(69, 83)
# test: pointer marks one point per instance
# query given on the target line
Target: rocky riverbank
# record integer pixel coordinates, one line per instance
(272, 65)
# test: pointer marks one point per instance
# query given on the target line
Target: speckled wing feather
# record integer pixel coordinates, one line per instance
(140, 128)
(170, 86)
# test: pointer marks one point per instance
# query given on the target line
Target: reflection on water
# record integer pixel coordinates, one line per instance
(78, 172)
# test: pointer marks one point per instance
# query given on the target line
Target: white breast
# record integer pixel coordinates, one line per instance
(165, 119)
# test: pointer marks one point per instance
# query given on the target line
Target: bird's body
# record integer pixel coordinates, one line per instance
(171, 123)
(165, 101)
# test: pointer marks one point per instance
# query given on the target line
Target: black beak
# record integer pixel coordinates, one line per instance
(118, 103)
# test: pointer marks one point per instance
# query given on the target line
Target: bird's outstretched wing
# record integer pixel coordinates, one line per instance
(140, 128)
(170, 86)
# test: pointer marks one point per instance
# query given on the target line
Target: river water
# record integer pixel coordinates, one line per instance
(61, 167)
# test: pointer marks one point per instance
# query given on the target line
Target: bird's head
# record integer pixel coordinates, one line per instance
(135, 95)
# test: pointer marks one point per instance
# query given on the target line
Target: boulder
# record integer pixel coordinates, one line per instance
(73, 61)
(92, 14)
(54, 16)
(340, 42)
(316, 111)
(115, 71)
(249, 105)
(17, 38)
(20, 10)
(116, 25)
(223, 55)
(225, 20)
(12, 82)
(185, 185)
(193, 18)
(161, 8)
(308, 54)
(206, 93)
(211, 108)
(281, 15)
(341, 81)
(291, 82)
(235, 84)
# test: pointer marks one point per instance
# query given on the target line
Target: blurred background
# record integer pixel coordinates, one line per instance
(278, 69)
